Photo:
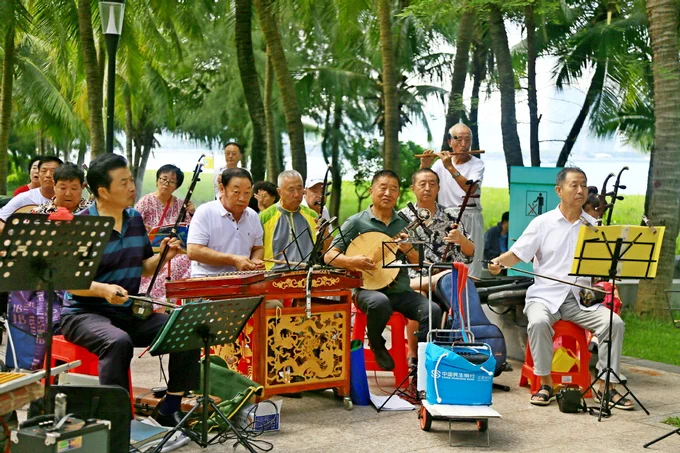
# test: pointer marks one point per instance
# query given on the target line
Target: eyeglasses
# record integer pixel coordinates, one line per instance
(167, 182)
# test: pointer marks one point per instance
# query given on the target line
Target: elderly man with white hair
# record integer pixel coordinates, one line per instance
(455, 170)
(289, 228)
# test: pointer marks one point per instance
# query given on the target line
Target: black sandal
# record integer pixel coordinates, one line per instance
(621, 403)
(544, 399)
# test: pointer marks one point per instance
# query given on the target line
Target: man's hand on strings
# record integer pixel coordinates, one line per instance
(243, 263)
(404, 247)
(363, 263)
(259, 264)
(175, 246)
(494, 266)
(455, 236)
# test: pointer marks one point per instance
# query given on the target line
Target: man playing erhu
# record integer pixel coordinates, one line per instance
(399, 296)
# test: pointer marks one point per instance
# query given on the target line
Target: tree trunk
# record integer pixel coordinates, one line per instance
(127, 100)
(273, 167)
(147, 146)
(506, 77)
(82, 150)
(251, 86)
(531, 86)
(456, 108)
(93, 78)
(389, 87)
(664, 206)
(6, 106)
(479, 74)
(594, 90)
(284, 79)
(336, 188)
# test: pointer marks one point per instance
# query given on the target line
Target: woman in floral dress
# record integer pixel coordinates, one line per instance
(162, 208)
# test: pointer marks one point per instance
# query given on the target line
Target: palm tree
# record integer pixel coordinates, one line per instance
(389, 88)
(94, 76)
(251, 86)
(15, 17)
(456, 108)
(532, 53)
(663, 208)
(286, 84)
(499, 42)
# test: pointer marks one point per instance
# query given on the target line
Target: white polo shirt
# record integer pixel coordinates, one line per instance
(550, 240)
(450, 193)
(33, 196)
(214, 227)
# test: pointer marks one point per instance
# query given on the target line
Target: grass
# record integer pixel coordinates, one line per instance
(673, 421)
(651, 339)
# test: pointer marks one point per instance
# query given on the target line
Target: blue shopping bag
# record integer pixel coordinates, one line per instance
(460, 374)
(357, 375)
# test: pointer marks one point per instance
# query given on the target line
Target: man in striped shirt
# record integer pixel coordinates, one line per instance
(100, 319)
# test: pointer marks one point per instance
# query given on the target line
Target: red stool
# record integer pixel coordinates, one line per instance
(398, 351)
(572, 337)
(64, 351)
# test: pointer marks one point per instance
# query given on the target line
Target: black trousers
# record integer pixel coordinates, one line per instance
(379, 307)
(113, 339)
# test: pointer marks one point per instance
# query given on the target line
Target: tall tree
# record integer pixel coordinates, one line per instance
(456, 109)
(506, 76)
(93, 76)
(273, 160)
(389, 88)
(664, 207)
(532, 97)
(14, 17)
(251, 86)
(286, 84)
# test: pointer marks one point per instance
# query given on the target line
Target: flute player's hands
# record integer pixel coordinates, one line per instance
(426, 162)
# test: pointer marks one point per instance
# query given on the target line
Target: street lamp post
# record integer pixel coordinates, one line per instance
(111, 12)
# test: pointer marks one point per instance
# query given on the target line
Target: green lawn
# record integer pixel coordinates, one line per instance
(651, 339)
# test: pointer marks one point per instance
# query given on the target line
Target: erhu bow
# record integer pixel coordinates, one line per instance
(180, 219)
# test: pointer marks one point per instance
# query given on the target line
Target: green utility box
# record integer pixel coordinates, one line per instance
(532, 193)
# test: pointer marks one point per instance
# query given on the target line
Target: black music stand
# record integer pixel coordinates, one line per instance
(200, 325)
(598, 255)
(48, 253)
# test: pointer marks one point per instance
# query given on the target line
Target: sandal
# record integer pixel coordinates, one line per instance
(542, 398)
(621, 403)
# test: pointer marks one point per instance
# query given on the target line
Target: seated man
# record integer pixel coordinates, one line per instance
(37, 196)
(496, 238)
(225, 234)
(550, 240)
(289, 228)
(446, 238)
(100, 318)
(69, 181)
(399, 296)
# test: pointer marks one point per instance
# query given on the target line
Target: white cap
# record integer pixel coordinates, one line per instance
(311, 182)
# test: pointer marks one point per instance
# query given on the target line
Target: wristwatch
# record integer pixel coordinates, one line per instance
(456, 174)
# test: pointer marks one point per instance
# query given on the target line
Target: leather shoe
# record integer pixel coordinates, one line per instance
(170, 420)
(383, 358)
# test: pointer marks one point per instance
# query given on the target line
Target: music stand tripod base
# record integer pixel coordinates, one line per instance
(200, 325)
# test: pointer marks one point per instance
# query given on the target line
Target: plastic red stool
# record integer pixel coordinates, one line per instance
(397, 350)
(572, 337)
(65, 351)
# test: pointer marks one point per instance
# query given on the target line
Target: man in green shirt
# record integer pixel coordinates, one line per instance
(379, 305)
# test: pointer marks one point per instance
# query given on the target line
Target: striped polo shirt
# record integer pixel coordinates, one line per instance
(281, 226)
(121, 265)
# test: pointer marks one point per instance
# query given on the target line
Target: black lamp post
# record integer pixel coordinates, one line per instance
(111, 12)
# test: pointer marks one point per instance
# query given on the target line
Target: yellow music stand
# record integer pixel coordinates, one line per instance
(615, 252)
(637, 256)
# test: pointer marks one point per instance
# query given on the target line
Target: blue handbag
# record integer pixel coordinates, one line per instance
(460, 374)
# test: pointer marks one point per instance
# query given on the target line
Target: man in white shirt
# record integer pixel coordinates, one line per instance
(233, 153)
(454, 170)
(36, 196)
(225, 234)
(550, 241)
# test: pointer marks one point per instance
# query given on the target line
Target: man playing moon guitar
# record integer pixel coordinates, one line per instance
(398, 296)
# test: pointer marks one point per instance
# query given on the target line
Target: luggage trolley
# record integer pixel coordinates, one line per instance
(451, 412)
